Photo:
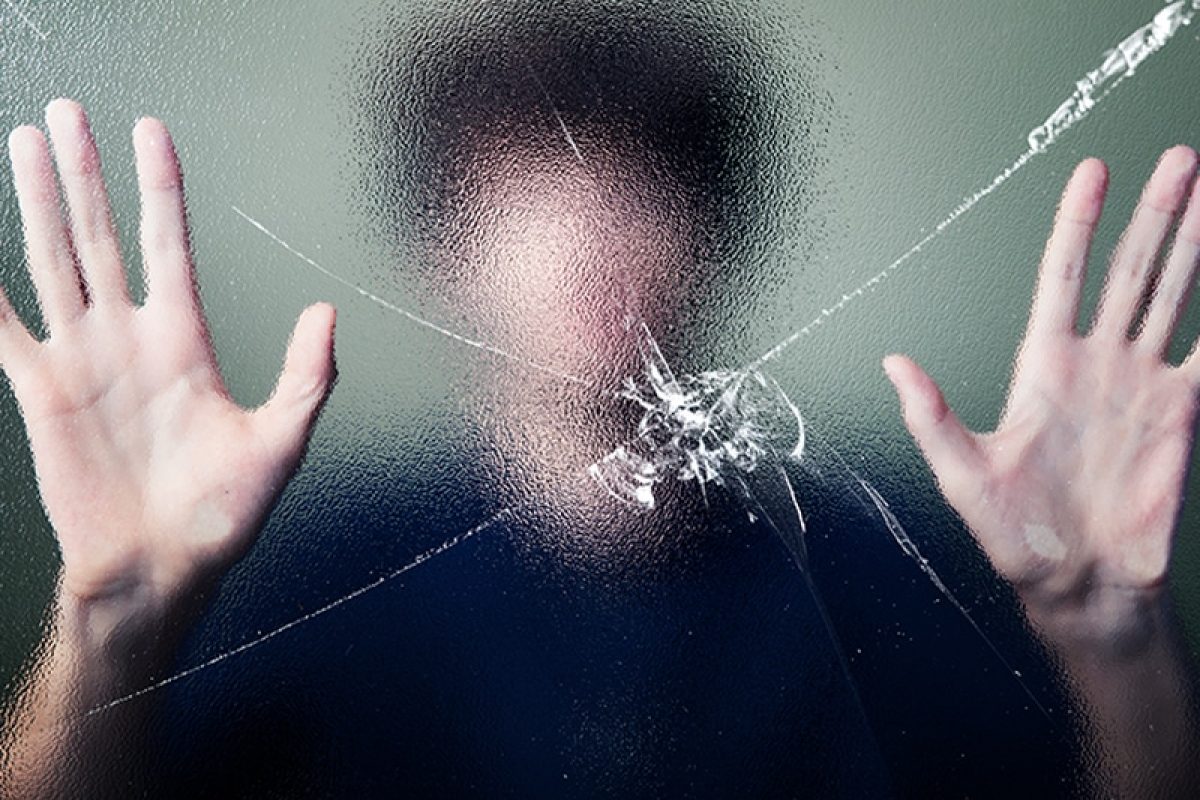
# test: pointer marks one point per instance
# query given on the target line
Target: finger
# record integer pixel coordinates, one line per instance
(1064, 264)
(92, 230)
(1189, 231)
(952, 451)
(1175, 285)
(16, 343)
(166, 254)
(51, 262)
(1134, 259)
(287, 418)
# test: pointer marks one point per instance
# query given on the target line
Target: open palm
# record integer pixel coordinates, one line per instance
(152, 477)
(1078, 490)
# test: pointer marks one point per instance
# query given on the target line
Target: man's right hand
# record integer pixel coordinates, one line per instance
(153, 479)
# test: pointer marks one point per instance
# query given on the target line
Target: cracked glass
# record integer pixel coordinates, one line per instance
(611, 496)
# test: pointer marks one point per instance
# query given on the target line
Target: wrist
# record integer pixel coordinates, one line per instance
(130, 633)
(1106, 620)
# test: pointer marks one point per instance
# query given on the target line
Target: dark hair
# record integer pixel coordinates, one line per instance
(706, 94)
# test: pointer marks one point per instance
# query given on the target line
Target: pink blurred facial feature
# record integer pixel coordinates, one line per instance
(562, 242)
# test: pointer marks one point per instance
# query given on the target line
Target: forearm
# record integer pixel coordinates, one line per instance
(96, 652)
(1124, 656)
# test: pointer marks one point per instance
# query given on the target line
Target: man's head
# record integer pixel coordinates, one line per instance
(552, 172)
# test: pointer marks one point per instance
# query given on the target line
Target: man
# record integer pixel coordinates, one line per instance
(156, 482)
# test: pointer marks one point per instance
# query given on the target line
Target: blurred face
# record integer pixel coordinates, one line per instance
(558, 178)
(558, 252)
(555, 253)
(555, 172)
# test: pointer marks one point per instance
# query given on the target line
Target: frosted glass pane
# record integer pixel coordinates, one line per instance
(611, 497)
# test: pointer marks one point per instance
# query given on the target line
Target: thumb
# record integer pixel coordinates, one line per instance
(287, 418)
(952, 451)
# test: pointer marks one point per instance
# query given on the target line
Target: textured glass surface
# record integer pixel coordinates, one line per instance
(498, 197)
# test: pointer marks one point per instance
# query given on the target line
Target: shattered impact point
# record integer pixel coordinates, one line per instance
(701, 427)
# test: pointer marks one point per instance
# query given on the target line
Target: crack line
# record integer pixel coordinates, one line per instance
(359, 592)
(25, 18)
(480, 345)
